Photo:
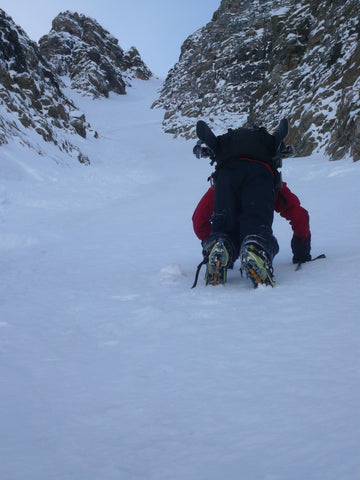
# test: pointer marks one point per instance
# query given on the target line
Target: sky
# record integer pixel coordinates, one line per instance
(157, 28)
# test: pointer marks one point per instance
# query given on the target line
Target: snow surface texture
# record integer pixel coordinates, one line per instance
(112, 368)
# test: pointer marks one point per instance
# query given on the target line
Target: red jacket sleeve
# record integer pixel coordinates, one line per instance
(202, 215)
(289, 207)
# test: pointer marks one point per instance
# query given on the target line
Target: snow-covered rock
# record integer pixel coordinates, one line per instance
(31, 96)
(260, 61)
(78, 52)
(77, 46)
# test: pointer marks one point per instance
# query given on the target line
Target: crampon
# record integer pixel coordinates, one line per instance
(216, 268)
(257, 267)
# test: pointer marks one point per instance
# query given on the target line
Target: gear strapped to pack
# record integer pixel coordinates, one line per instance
(250, 143)
(254, 144)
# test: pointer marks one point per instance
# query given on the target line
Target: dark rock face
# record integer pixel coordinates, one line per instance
(79, 47)
(260, 61)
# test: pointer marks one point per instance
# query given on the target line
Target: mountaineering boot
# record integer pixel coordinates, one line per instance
(216, 268)
(219, 254)
(257, 265)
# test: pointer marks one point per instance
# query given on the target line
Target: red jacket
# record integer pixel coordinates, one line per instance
(286, 203)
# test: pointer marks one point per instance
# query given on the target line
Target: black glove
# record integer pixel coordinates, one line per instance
(301, 250)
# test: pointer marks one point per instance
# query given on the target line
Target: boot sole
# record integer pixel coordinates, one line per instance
(257, 272)
(216, 270)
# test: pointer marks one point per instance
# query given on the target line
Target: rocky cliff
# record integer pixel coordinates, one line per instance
(258, 61)
(32, 98)
(79, 47)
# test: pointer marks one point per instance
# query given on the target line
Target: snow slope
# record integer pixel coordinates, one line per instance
(112, 368)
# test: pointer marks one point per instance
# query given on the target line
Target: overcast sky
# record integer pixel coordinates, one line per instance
(157, 28)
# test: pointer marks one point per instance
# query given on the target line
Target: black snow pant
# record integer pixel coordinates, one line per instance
(244, 204)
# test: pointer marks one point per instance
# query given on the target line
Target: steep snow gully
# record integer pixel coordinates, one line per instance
(112, 368)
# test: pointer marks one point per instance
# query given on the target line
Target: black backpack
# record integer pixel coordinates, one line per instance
(252, 143)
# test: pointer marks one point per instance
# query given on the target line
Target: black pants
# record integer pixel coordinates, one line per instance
(244, 204)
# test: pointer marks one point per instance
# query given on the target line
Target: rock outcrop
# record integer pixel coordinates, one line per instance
(78, 47)
(31, 94)
(32, 98)
(258, 61)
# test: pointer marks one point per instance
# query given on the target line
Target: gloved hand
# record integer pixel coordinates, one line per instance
(301, 250)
